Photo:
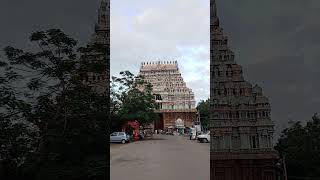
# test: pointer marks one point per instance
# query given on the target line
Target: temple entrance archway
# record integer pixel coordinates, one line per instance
(159, 124)
(179, 123)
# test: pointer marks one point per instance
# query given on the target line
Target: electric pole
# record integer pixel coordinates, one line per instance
(285, 168)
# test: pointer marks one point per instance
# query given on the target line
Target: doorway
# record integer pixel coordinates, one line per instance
(159, 124)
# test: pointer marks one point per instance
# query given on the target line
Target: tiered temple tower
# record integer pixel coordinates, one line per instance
(241, 127)
(100, 39)
(102, 27)
(176, 101)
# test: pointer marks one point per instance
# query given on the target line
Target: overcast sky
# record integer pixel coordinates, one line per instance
(276, 42)
(165, 30)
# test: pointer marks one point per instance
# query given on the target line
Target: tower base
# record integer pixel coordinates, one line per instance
(244, 169)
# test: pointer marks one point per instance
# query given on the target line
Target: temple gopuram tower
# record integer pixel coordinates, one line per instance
(177, 106)
(100, 82)
(240, 124)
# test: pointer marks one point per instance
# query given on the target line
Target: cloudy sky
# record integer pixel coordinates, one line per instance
(276, 42)
(166, 30)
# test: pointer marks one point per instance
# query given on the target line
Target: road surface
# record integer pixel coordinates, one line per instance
(164, 157)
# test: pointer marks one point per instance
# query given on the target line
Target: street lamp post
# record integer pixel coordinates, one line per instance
(199, 121)
(285, 168)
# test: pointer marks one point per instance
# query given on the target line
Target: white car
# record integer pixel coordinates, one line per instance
(119, 137)
(204, 137)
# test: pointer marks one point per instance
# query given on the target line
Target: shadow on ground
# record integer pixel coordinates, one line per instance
(153, 138)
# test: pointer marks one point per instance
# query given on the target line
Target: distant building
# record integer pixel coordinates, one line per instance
(241, 127)
(176, 101)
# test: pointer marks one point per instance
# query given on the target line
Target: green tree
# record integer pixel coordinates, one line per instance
(46, 89)
(133, 99)
(301, 147)
(18, 135)
(203, 108)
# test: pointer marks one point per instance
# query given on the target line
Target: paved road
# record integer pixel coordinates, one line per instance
(164, 157)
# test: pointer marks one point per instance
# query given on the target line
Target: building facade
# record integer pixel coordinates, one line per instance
(177, 106)
(240, 124)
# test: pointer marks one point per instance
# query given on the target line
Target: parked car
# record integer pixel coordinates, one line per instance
(205, 137)
(119, 137)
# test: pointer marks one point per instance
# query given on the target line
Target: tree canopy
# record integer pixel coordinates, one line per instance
(132, 98)
(203, 108)
(55, 124)
(300, 144)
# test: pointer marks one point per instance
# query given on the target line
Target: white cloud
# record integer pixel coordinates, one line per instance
(162, 30)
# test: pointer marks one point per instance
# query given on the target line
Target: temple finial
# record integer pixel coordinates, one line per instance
(214, 14)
